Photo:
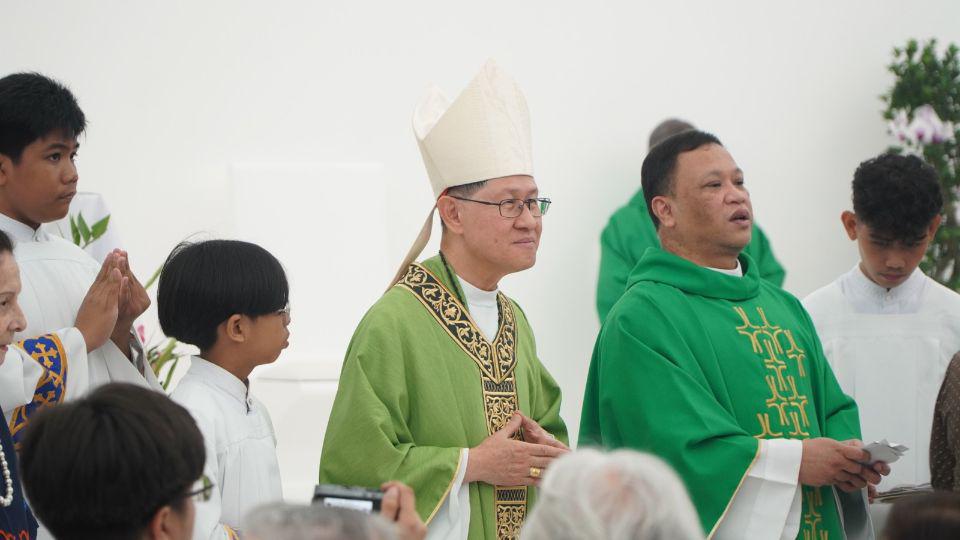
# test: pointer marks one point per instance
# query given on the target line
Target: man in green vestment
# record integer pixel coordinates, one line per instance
(720, 372)
(441, 387)
(630, 232)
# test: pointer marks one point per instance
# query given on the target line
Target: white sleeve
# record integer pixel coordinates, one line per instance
(138, 357)
(42, 370)
(768, 504)
(113, 365)
(135, 351)
(207, 524)
(452, 519)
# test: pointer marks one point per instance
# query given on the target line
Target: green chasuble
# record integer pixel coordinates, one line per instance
(420, 382)
(630, 232)
(695, 366)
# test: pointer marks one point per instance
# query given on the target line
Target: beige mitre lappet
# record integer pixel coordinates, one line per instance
(484, 134)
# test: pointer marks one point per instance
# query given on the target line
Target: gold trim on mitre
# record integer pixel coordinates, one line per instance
(482, 135)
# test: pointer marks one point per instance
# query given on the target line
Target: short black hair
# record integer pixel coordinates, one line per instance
(666, 129)
(100, 467)
(656, 174)
(896, 196)
(203, 284)
(933, 515)
(33, 106)
(6, 244)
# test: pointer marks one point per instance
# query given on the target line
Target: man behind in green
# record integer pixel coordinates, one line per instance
(630, 232)
(441, 387)
(720, 372)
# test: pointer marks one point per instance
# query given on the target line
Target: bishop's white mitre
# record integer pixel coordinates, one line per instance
(482, 135)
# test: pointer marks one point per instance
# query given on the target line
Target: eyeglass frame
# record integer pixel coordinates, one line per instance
(203, 494)
(528, 203)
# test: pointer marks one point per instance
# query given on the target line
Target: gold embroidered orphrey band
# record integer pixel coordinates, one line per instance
(496, 362)
(775, 346)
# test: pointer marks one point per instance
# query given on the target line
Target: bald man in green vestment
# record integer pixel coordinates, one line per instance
(630, 232)
(721, 373)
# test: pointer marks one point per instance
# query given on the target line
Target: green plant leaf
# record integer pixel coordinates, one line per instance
(153, 278)
(173, 367)
(922, 76)
(74, 231)
(99, 228)
(84, 229)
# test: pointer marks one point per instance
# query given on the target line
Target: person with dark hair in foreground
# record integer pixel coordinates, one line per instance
(79, 313)
(932, 516)
(630, 232)
(16, 520)
(231, 300)
(720, 372)
(888, 330)
(122, 463)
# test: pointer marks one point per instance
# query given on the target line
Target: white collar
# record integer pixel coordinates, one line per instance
(867, 296)
(20, 232)
(477, 297)
(735, 272)
(215, 375)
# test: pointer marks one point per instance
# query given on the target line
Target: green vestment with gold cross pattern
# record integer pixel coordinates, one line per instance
(420, 382)
(696, 366)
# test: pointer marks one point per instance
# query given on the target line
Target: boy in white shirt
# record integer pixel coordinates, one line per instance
(888, 330)
(230, 300)
(79, 312)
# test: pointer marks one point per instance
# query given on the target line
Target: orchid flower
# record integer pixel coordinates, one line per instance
(925, 128)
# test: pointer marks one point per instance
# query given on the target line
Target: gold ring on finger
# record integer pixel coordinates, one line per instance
(536, 472)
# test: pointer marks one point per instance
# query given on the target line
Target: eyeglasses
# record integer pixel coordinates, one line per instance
(284, 312)
(203, 493)
(511, 208)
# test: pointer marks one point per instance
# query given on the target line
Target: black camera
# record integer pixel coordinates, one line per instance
(352, 497)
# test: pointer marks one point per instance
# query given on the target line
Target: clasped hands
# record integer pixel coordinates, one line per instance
(112, 303)
(503, 461)
(827, 462)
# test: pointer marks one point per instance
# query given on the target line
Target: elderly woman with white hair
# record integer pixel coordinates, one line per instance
(621, 495)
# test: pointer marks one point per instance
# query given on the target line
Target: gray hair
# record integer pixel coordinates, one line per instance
(666, 129)
(622, 495)
(282, 521)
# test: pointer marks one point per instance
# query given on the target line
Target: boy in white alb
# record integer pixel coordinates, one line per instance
(887, 329)
(229, 299)
(79, 313)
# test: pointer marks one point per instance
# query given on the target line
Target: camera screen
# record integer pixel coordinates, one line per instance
(352, 504)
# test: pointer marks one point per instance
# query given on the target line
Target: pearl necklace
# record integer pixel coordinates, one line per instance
(7, 499)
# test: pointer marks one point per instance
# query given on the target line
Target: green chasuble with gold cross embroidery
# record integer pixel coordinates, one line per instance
(420, 382)
(695, 366)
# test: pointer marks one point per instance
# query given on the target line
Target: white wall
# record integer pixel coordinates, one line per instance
(176, 91)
